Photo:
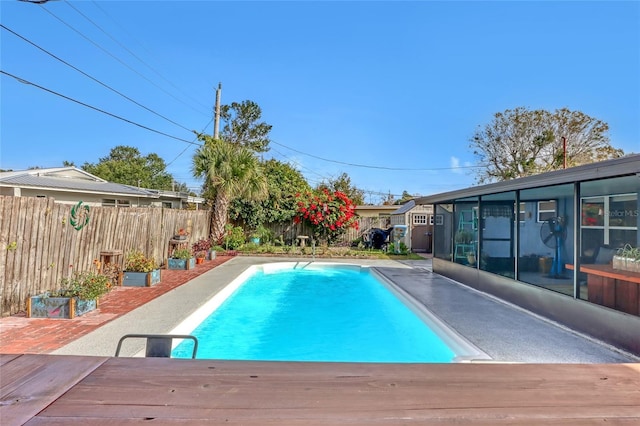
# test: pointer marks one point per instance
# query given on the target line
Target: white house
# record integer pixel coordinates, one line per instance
(69, 185)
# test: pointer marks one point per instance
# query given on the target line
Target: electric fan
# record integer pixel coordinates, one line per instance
(553, 233)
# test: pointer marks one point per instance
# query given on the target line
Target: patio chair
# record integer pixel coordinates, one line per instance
(159, 345)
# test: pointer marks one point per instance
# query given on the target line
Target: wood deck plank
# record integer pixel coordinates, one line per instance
(123, 390)
(28, 383)
(262, 421)
(5, 358)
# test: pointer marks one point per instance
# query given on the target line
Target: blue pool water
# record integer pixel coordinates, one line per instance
(319, 314)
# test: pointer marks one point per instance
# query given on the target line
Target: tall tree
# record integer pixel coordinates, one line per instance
(343, 184)
(405, 197)
(126, 165)
(522, 142)
(242, 126)
(230, 171)
(283, 182)
(388, 199)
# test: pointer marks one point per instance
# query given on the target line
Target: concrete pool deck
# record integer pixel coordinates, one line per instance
(505, 332)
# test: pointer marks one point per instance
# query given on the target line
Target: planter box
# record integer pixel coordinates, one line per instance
(211, 255)
(625, 264)
(529, 263)
(141, 279)
(545, 263)
(58, 307)
(181, 263)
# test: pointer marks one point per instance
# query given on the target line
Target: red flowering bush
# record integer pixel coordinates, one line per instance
(328, 214)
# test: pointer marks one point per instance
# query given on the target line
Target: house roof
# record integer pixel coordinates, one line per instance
(627, 165)
(381, 207)
(69, 179)
(405, 207)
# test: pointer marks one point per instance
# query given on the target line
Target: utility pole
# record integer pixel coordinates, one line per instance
(216, 118)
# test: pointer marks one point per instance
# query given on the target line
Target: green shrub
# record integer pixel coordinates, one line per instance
(250, 247)
(136, 261)
(268, 248)
(84, 285)
(234, 237)
(182, 253)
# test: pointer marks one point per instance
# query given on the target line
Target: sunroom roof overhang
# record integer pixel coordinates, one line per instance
(625, 166)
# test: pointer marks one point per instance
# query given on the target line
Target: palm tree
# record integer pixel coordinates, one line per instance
(230, 171)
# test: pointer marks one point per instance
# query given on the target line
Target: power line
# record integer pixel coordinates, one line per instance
(144, 48)
(378, 167)
(22, 80)
(324, 178)
(277, 143)
(92, 78)
(123, 46)
(191, 142)
(188, 146)
(298, 164)
(116, 58)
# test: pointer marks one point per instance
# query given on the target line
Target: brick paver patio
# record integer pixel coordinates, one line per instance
(19, 334)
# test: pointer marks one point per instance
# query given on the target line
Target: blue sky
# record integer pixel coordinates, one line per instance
(398, 87)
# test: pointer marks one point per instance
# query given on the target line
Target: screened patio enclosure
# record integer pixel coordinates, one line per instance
(547, 242)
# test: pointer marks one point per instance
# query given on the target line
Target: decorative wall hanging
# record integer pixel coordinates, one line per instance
(79, 216)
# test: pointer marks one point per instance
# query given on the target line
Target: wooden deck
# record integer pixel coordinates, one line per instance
(39, 390)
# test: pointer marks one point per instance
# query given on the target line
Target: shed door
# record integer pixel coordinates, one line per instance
(419, 230)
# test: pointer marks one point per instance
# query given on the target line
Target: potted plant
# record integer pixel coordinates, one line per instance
(77, 295)
(471, 257)
(464, 237)
(211, 253)
(139, 270)
(182, 258)
(260, 234)
(181, 234)
(202, 249)
(627, 258)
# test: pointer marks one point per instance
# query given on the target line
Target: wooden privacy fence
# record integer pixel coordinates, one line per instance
(40, 242)
(289, 231)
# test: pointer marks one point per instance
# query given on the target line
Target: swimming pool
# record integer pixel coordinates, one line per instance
(315, 311)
